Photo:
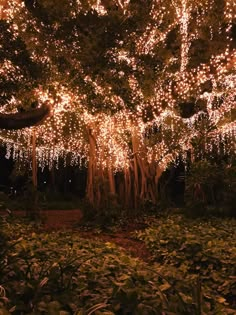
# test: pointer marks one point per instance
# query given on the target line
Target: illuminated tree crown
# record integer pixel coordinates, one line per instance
(152, 78)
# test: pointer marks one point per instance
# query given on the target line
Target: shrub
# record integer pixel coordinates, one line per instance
(210, 189)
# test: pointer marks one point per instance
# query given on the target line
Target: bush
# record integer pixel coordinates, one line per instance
(210, 189)
(229, 191)
(109, 213)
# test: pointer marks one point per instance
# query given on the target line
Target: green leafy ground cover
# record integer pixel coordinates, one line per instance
(201, 252)
(62, 273)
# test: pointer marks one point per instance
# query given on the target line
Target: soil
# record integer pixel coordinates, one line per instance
(69, 220)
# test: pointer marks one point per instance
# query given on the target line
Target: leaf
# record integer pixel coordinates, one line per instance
(43, 282)
(96, 307)
(221, 300)
(42, 306)
(54, 307)
(123, 277)
(164, 286)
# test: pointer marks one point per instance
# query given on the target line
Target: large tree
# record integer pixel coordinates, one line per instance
(133, 85)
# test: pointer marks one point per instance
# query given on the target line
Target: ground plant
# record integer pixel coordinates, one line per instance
(201, 252)
(59, 272)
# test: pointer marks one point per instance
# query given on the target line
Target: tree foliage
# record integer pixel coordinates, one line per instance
(133, 83)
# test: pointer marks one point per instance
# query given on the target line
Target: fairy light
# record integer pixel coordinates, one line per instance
(183, 14)
(153, 35)
(230, 15)
(99, 8)
(65, 132)
(10, 8)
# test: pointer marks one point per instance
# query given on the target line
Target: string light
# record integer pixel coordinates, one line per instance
(66, 131)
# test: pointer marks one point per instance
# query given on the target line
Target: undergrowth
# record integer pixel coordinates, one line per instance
(62, 273)
(200, 251)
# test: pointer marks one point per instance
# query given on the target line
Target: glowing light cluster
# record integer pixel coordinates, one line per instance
(66, 132)
(183, 15)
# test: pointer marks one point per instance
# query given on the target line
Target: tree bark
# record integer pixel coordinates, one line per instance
(135, 147)
(34, 160)
(25, 119)
(90, 186)
(33, 212)
(145, 179)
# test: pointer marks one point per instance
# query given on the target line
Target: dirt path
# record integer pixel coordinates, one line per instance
(69, 220)
(123, 239)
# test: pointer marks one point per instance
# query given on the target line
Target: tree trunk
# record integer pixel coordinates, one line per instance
(135, 146)
(52, 179)
(112, 186)
(34, 160)
(145, 179)
(101, 187)
(33, 213)
(25, 119)
(90, 193)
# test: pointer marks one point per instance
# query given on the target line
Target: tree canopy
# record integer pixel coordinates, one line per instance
(160, 71)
